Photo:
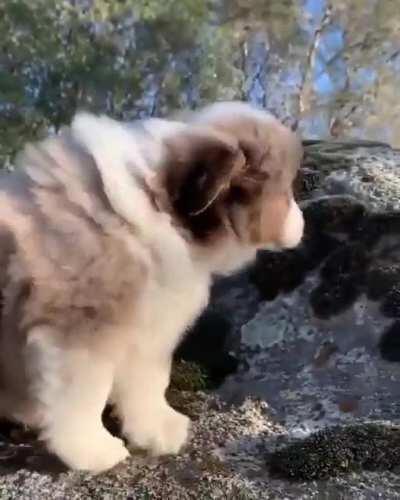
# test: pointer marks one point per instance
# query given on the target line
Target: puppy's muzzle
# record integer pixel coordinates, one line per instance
(293, 227)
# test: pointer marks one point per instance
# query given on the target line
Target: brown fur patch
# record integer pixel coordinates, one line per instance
(64, 260)
(198, 173)
(208, 180)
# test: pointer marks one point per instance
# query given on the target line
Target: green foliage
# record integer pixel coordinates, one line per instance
(184, 11)
(57, 56)
(187, 376)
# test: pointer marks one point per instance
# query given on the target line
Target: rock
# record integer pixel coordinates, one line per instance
(382, 277)
(323, 347)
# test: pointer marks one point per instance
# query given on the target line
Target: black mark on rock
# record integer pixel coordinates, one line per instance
(389, 345)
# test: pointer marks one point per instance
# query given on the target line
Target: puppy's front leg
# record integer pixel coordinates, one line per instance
(72, 387)
(148, 420)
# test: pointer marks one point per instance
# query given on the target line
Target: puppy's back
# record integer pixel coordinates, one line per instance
(64, 259)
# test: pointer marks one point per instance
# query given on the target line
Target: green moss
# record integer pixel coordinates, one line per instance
(213, 465)
(240, 493)
(188, 376)
(189, 403)
(338, 450)
(58, 57)
(186, 379)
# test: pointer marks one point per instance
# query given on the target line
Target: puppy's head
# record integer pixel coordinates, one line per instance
(230, 174)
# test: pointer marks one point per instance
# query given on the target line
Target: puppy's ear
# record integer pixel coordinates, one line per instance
(250, 182)
(200, 166)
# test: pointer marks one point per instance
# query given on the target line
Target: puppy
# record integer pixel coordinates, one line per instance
(109, 236)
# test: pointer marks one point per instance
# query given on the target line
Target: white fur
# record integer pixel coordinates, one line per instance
(114, 149)
(293, 227)
(232, 110)
(162, 129)
(176, 292)
(156, 130)
(72, 393)
(139, 393)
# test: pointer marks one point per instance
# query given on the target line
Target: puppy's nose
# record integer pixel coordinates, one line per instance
(293, 227)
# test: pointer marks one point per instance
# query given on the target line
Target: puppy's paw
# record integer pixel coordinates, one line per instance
(88, 451)
(163, 433)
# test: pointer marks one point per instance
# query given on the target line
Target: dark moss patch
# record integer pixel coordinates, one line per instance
(334, 297)
(213, 465)
(187, 376)
(349, 260)
(338, 450)
(276, 272)
(205, 345)
(344, 275)
(306, 182)
(381, 279)
(281, 272)
(390, 306)
(341, 214)
(379, 225)
(317, 247)
(186, 402)
(388, 223)
(389, 344)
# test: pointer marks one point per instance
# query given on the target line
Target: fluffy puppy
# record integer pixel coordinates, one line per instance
(109, 237)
